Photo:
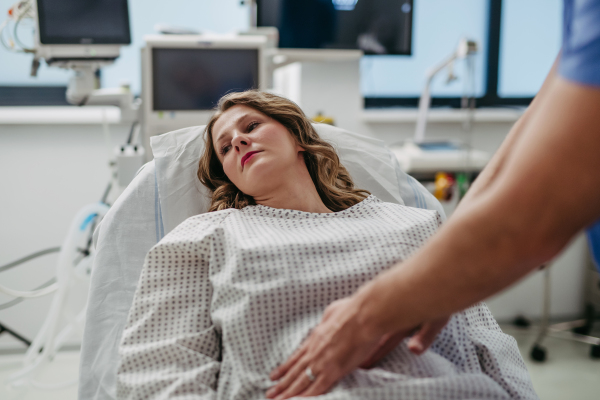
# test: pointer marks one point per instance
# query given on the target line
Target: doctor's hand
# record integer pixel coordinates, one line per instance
(339, 345)
(421, 339)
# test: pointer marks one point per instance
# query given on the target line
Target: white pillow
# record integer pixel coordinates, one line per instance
(369, 161)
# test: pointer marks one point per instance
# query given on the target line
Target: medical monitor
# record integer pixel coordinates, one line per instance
(196, 78)
(184, 76)
(83, 22)
(373, 26)
(81, 31)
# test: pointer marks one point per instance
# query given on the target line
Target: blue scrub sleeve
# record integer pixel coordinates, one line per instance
(580, 55)
(593, 235)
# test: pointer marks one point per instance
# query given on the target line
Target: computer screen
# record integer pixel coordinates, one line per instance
(373, 26)
(83, 21)
(195, 79)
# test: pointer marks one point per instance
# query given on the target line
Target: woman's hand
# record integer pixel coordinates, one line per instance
(336, 347)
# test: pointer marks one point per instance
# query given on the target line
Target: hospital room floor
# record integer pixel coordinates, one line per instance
(568, 373)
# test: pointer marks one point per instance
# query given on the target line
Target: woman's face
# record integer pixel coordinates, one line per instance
(257, 152)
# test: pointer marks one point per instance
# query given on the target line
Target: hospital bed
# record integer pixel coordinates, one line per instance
(165, 192)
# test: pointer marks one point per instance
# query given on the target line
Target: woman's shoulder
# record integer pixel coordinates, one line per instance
(198, 226)
(211, 217)
(374, 202)
(402, 210)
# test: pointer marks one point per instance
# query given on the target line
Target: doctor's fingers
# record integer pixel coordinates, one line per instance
(285, 367)
(330, 358)
(296, 378)
(302, 385)
(293, 382)
(388, 343)
(426, 335)
(320, 386)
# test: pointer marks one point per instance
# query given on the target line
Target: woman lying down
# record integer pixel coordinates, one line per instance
(228, 296)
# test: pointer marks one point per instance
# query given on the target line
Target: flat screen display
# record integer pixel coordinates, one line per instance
(195, 79)
(84, 21)
(373, 26)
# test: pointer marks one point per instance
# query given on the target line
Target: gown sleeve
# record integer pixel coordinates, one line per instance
(170, 348)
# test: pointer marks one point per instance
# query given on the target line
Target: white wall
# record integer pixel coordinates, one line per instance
(47, 173)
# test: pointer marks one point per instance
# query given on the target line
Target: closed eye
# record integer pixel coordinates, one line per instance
(224, 149)
(251, 126)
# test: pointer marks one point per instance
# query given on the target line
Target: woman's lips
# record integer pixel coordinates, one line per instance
(247, 156)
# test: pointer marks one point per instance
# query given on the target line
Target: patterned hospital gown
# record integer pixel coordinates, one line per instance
(227, 296)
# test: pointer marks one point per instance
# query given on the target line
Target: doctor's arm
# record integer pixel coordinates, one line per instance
(544, 190)
(497, 163)
(426, 334)
(547, 190)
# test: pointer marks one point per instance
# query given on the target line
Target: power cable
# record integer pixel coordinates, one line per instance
(24, 14)
(130, 138)
(29, 257)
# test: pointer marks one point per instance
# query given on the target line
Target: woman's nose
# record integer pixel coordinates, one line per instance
(239, 142)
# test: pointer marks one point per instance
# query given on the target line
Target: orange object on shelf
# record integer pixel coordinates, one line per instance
(444, 186)
(323, 119)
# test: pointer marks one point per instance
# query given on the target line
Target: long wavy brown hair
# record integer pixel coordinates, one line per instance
(331, 179)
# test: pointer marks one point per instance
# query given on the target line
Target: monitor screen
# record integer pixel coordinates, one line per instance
(373, 26)
(83, 21)
(195, 79)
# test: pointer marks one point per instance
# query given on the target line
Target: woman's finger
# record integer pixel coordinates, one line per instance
(426, 335)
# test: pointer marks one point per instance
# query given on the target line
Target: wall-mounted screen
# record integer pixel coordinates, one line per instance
(373, 26)
(195, 79)
(83, 21)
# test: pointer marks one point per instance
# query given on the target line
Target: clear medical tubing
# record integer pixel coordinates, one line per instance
(41, 291)
(29, 295)
(49, 339)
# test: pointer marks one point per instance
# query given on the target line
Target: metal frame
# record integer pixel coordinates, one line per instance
(490, 98)
(578, 330)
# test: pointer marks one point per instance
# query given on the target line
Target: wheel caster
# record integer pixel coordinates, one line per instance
(595, 351)
(538, 353)
(521, 322)
(582, 330)
(590, 316)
